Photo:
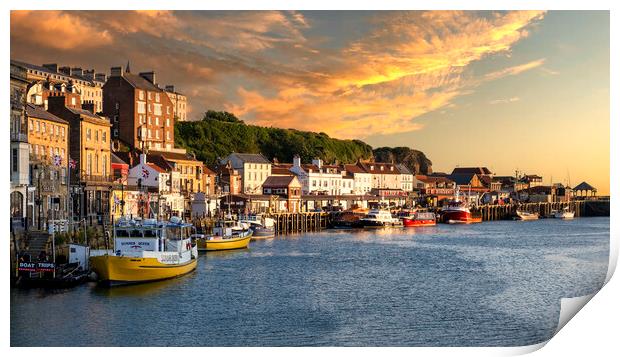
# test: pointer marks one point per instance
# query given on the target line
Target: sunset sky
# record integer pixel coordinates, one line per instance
(506, 90)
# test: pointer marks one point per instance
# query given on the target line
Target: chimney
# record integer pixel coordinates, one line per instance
(101, 77)
(297, 161)
(65, 70)
(149, 76)
(317, 162)
(116, 72)
(89, 105)
(53, 67)
(143, 159)
(89, 74)
(56, 104)
(169, 88)
(76, 71)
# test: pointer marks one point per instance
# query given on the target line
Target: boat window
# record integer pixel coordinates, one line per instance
(136, 233)
(150, 233)
(122, 233)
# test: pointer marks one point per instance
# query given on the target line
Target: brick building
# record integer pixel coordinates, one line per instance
(141, 113)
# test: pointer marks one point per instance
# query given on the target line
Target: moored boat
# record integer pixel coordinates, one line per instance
(457, 212)
(378, 219)
(417, 219)
(526, 216)
(227, 234)
(566, 213)
(146, 251)
(262, 227)
(349, 219)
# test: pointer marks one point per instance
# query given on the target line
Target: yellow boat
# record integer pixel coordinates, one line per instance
(227, 234)
(146, 251)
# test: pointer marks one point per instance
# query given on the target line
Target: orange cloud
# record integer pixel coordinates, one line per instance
(511, 71)
(56, 29)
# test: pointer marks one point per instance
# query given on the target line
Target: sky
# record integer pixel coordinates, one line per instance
(509, 90)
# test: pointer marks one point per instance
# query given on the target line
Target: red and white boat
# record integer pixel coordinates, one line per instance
(456, 211)
(417, 219)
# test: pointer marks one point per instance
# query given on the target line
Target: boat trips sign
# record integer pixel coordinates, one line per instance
(132, 244)
(36, 266)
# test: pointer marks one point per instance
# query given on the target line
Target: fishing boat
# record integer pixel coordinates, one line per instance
(525, 216)
(349, 219)
(227, 234)
(262, 227)
(456, 211)
(146, 250)
(417, 219)
(378, 219)
(566, 213)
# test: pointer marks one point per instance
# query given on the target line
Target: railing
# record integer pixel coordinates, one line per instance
(19, 137)
(97, 178)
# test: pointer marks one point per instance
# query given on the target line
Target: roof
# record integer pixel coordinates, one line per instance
(354, 168)
(281, 169)
(114, 159)
(207, 171)
(48, 71)
(173, 156)
(472, 170)
(252, 158)
(40, 113)
(375, 168)
(87, 114)
(429, 179)
(584, 186)
(462, 179)
(139, 82)
(159, 161)
(403, 169)
(278, 181)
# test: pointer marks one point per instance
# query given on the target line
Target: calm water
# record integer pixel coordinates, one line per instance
(491, 284)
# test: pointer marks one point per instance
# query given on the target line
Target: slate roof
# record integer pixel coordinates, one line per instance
(278, 181)
(462, 179)
(114, 159)
(173, 156)
(252, 158)
(139, 82)
(403, 169)
(34, 111)
(472, 170)
(584, 186)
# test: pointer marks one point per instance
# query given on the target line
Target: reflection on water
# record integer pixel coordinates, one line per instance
(489, 284)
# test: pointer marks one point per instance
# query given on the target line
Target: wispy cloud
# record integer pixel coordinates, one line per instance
(266, 67)
(505, 100)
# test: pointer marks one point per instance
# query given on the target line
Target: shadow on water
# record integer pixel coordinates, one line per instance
(141, 289)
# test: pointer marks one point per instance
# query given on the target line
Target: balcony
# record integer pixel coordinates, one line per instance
(22, 137)
(97, 178)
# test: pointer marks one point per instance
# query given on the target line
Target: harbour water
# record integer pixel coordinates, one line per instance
(489, 284)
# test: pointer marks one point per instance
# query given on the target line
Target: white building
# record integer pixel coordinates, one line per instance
(362, 180)
(406, 178)
(148, 175)
(384, 175)
(253, 168)
(317, 178)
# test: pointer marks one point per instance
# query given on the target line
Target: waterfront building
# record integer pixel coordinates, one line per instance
(253, 168)
(48, 139)
(434, 189)
(470, 185)
(288, 191)
(278, 169)
(50, 78)
(348, 183)
(384, 175)
(532, 180)
(141, 113)
(584, 190)
(316, 178)
(20, 196)
(362, 180)
(406, 178)
(189, 169)
(228, 179)
(179, 103)
(208, 181)
(89, 148)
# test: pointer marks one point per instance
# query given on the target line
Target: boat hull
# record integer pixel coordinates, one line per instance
(565, 215)
(377, 224)
(223, 244)
(456, 216)
(263, 233)
(114, 270)
(412, 222)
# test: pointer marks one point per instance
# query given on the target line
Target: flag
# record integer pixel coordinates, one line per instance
(57, 160)
(116, 200)
(145, 172)
(72, 164)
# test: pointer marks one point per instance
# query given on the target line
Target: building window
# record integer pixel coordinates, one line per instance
(149, 133)
(88, 134)
(43, 127)
(31, 125)
(96, 163)
(157, 97)
(96, 135)
(89, 166)
(116, 119)
(104, 168)
(157, 109)
(73, 101)
(150, 121)
(104, 137)
(157, 134)
(156, 120)
(150, 95)
(141, 107)
(116, 133)
(167, 109)
(117, 105)
(15, 160)
(167, 121)
(141, 94)
(167, 135)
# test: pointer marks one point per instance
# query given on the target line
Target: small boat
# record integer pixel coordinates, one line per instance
(262, 227)
(349, 219)
(378, 219)
(227, 234)
(146, 251)
(417, 219)
(566, 213)
(457, 212)
(526, 216)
